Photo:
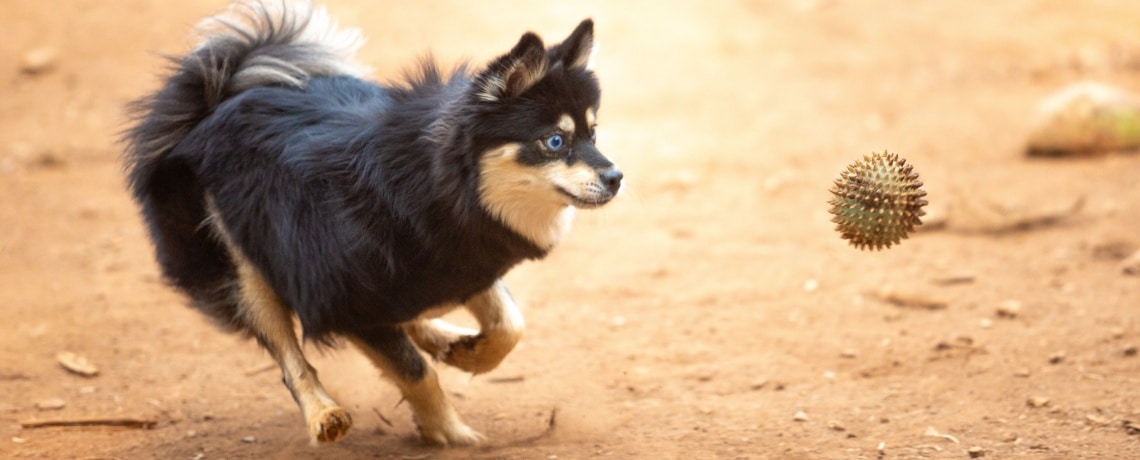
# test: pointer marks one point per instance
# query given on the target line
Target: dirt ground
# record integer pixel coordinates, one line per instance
(712, 312)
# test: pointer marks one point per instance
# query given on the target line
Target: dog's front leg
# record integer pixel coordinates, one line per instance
(435, 336)
(500, 328)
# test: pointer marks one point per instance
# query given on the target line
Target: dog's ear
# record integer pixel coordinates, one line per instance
(574, 52)
(515, 72)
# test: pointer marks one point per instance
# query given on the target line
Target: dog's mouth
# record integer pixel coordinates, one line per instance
(593, 201)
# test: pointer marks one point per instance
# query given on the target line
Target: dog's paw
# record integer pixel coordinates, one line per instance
(477, 354)
(453, 433)
(329, 425)
(435, 336)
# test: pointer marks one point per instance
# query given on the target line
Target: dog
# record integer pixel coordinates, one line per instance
(279, 184)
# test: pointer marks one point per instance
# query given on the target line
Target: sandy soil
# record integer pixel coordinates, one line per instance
(692, 319)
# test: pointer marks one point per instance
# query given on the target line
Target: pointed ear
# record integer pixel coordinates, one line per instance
(574, 52)
(515, 72)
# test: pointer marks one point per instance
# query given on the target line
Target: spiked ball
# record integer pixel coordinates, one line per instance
(877, 201)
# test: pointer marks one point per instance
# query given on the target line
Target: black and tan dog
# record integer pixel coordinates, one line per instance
(277, 183)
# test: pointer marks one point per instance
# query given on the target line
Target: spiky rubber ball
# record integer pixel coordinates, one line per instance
(877, 201)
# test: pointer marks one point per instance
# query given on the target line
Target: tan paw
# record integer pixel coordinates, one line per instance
(329, 425)
(477, 354)
(455, 433)
(435, 336)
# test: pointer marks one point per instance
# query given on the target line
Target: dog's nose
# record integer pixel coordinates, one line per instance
(611, 178)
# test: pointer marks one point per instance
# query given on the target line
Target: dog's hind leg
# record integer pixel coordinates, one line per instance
(262, 313)
(392, 351)
(500, 328)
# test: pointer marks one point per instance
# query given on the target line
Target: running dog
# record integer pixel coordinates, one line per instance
(277, 182)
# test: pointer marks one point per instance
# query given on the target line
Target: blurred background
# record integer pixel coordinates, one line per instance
(712, 311)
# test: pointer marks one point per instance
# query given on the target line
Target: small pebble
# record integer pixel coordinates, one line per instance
(1057, 358)
(800, 416)
(1130, 350)
(19, 440)
(835, 425)
(51, 404)
(1009, 309)
(811, 285)
(38, 61)
(847, 353)
(1023, 373)
(1131, 265)
(249, 439)
(76, 364)
(976, 452)
(1038, 401)
(986, 323)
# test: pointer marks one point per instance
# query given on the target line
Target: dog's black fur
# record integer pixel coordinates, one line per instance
(361, 205)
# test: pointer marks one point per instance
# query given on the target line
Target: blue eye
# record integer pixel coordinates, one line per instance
(554, 142)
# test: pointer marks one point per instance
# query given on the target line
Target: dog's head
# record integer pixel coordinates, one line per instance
(535, 128)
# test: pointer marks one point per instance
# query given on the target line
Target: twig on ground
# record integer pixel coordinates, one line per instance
(382, 417)
(125, 422)
(511, 379)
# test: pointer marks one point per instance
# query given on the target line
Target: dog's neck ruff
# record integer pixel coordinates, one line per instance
(510, 193)
(538, 225)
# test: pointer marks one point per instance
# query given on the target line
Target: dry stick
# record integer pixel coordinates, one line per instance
(91, 422)
(382, 417)
(550, 423)
(512, 379)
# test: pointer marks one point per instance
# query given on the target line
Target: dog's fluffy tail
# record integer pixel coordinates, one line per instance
(252, 44)
(257, 43)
